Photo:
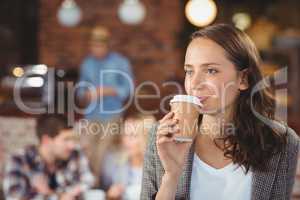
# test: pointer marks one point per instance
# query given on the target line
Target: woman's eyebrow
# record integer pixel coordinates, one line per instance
(208, 64)
(202, 65)
(188, 66)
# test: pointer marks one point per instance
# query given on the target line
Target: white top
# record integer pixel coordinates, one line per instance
(186, 98)
(228, 183)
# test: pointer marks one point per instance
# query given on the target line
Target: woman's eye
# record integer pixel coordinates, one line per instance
(188, 72)
(212, 71)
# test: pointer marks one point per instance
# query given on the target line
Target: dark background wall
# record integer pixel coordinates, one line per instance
(18, 32)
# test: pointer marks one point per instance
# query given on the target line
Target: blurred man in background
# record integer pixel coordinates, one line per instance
(55, 169)
(111, 78)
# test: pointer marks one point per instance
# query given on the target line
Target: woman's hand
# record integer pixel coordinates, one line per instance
(172, 154)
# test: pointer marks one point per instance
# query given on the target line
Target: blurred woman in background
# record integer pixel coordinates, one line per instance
(121, 173)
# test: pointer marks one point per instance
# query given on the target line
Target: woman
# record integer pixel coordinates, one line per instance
(122, 169)
(239, 151)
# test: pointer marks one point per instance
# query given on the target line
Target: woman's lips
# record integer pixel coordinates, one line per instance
(202, 98)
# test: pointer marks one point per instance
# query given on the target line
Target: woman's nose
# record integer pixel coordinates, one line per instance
(197, 82)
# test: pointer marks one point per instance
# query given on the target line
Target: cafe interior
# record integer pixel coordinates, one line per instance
(44, 43)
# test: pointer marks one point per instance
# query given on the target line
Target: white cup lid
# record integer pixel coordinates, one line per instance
(186, 98)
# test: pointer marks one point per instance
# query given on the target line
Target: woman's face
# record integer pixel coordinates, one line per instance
(211, 76)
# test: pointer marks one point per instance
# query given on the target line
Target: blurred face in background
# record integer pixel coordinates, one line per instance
(99, 42)
(62, 145)
(133, 139)
(99, 49)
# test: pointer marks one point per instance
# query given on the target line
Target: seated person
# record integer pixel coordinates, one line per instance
(122, 170)
(54, 169)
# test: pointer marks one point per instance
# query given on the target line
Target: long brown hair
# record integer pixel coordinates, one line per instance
(253, 142)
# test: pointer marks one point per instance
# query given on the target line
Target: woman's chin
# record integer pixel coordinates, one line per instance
(208, 111)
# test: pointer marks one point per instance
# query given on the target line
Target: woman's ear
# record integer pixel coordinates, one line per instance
(243, 80)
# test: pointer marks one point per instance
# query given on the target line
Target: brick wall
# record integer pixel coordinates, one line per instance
(152, 46)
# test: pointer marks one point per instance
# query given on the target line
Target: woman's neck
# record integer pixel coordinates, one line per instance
(217, 125)
(208, 152)
(206, 147)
